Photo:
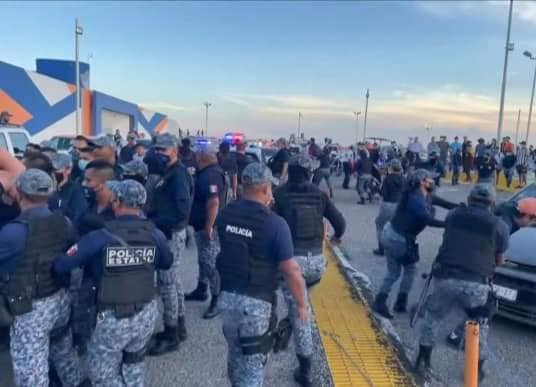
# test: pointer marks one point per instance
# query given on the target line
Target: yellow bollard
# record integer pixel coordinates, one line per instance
(472, 343)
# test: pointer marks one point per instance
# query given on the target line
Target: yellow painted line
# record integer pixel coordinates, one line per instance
(358, 353)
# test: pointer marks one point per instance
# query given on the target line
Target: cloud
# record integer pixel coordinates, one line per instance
(163, 106)
(235, 100)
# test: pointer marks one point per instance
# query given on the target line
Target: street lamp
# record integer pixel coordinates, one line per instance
(366, 114)
(207, 105)
(299, 124)
(356, 114)
(508, 47)
(77, 32)
(528, 54)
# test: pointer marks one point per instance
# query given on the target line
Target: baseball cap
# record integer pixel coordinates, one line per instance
(129, 192)
(101, 142)
(135, 167)
(527, 206)
(421, 174)
(303, 161)
(257, 174)
(35, 182)
(61, 161)
(396, 164)
(166, 140)
(483, 193)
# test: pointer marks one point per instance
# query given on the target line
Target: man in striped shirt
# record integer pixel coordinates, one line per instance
(522, 163)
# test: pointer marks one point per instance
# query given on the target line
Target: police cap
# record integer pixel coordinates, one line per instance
(35, 182)
(129, 192)
(257, 174)
(165, 141)
(484, 193)
(135, 167)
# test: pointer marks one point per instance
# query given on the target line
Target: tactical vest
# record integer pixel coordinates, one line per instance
(469, 242)
(303, 212)
(242, 264)
(33, 279)
(128, 261)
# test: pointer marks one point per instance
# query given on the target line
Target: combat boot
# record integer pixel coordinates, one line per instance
(379, 251)
(423, 363)
(164, 342)
(181, 328)
(199, 294)
(401, 305)
(213, 310)
(303, 375)
(380, 306)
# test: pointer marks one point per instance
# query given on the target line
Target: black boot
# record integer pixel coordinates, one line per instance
(303, 375)
(401, 305)
(379, 251)
(181, 328)
(213, 310)
(85, 383)
(199, 294)
(164, 342)
(380, 306)
(423, 364)
(361, 201)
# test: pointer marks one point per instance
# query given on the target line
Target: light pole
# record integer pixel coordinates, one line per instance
(366, 113)
(529, 55)
(299, 124)
(517, 126)
(77, 32)
(509, 47)
(207, 105)
(356, 114)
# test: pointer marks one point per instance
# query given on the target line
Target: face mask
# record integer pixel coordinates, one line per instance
(430, 187)
(162, 161)
(90, 194)
(59, 177)
(82, 164)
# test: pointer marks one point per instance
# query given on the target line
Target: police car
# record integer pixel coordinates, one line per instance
(515, 282)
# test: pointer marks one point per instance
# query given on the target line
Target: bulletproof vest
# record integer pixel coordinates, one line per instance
(242, 264)
(469, 242)
(128, 265)
(33, 277)
(303, 210)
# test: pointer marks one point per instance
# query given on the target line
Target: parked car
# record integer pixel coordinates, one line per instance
(14, 139)
(515, 282)
(62, 143)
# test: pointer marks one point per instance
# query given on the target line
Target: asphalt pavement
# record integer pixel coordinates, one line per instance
(513, 344)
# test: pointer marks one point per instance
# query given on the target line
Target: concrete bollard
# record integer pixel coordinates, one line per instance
(472, 344)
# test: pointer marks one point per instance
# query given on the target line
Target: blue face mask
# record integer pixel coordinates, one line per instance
(162, 161)
(82, 164)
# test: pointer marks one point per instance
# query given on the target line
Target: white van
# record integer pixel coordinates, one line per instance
(14, 139)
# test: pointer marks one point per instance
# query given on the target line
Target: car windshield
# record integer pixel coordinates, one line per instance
(3, 142)
(528, 192)
(19, 141)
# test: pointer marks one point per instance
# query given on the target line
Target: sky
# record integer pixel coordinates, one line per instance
(428, 64)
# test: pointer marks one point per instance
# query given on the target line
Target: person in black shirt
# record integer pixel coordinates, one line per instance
(279, 164)
(391, 192)
(508, 164)
(127, 152)
(228, 164)
(188, 157)
(486, 166)
(322, 173)
(364, 169)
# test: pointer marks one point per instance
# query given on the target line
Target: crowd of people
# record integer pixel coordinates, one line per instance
(91, 238)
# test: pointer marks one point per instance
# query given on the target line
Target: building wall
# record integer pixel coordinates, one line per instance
(46, 106)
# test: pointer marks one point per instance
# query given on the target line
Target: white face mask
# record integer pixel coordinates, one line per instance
(82, 164)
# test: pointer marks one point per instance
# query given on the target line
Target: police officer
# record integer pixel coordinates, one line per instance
(229, 165)
(303, 205)
(486, 166)
(256, 245)
(391, 192)
(136, 170)
(170, 211)
(413, 213)
(121, 260)
(208, 197)
(103, 148)
(69, 197)
(473, 245)
(364, 168)
(98, 196)
(37, 301)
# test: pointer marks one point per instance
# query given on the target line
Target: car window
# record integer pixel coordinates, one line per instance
(3, 142)
(19, 141)
(528, 192)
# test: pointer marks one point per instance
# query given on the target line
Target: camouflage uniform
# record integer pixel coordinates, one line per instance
(244, 316)
(446, 294)
(32, 344)
(312, 267)
(170, 284)
(111, 339)
(208, 251)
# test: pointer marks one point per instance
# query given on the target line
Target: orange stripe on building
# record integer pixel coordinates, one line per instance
(87, 114)
(19, 114)
(161, 126)
(72, 88)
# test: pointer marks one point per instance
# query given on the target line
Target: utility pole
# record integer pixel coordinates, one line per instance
(207, 105)
(509, 47)
(299, 124)
(517, 126)
(366, 113)
(356, 114)
(529, 55)
(77, 32)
